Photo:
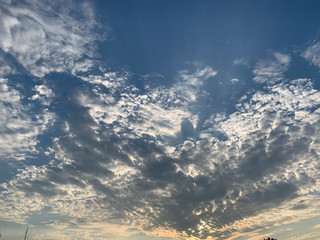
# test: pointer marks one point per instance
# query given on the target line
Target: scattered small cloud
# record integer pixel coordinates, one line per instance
(234, 80)
(241, 62)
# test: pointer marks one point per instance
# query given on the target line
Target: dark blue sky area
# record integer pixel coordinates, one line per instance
(159, 36)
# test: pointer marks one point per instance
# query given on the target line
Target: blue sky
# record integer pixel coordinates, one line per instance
(159, 120)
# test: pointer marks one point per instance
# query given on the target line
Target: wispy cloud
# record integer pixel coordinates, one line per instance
(241, 62)
(271, 70)
(44, 37)
(312, 54)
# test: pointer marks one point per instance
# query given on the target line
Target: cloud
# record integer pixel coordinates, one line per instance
(43, 90)
(241, 62)
(159, 113)
(44, 94)
(44, 38)
(126, 160)
(19, 130)
(311, 235)
(110, 163)
(271, 70)
(234, 80)
(312, 54)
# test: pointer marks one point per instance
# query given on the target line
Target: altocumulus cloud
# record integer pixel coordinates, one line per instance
(123, 160)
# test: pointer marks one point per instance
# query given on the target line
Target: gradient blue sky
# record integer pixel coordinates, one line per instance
(159, 119)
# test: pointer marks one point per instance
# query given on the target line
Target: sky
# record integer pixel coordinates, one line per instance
(160, 119)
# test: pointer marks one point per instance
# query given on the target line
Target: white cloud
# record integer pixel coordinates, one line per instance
(44, 94)
(282, 58)
(188, 85)
(241, 62)
(295, 99)
(265, 120)
(43, 43)
(234, 80)
(131, 158)
(19, 129)
(272, 70)
(159, 113)
(312, 54)
(43, 90)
